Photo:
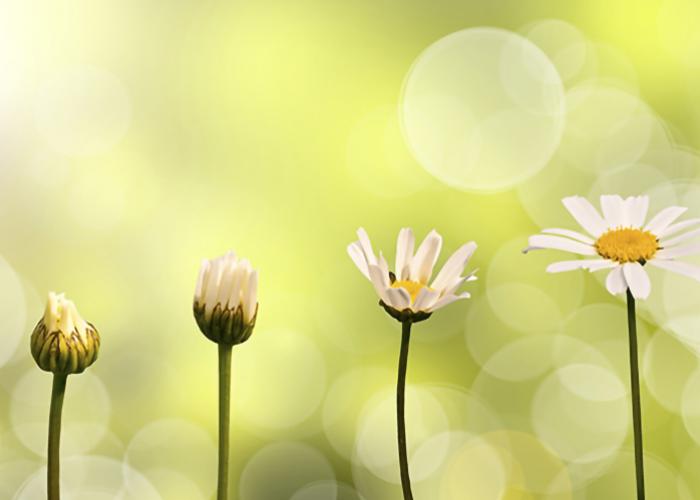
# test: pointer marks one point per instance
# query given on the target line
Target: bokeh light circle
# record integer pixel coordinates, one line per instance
(667, 366)
(690, 406)
(605, 127)
(327, 490)
(283, 397)
(13, 311)
(482, 109)
(581, 412)
(509, 265)
(279, 470)
(375, 445)
(476, 469)
(603, 327)
(481, 318)
(13, 474)
(92, 477)
(533, 356)
(344, 402)
(83, 111)
(86, 412)
(525, 308)
(177, 446)
(661, 480)
(564, 44)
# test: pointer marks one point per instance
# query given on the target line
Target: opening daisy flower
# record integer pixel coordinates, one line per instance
(407, 291)
(409, 296)
(621, 240)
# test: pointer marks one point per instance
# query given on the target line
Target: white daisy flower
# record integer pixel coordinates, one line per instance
(622, 242)
(226, 299)
(408, 289)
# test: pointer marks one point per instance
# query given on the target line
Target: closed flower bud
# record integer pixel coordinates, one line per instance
(226, 299)
(63, 342)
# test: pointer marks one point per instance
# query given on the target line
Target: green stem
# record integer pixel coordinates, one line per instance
(400, 417)
(224, 418)
(53, 476)
(636, 399)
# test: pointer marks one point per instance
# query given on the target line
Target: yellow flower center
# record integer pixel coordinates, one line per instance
(627, 245)
(412, 287)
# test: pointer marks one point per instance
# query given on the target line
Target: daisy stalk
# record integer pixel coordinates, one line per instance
(226, 308)
(621, 241)
(408, 296)
(62, 343)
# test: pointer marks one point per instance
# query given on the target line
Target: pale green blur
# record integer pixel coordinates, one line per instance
(141, 137)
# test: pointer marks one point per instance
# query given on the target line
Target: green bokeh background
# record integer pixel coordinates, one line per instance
(267, 127)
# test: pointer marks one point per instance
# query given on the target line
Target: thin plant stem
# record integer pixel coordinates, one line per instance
(400, 414)
(636, 399)
(53, 486)
(224, 418)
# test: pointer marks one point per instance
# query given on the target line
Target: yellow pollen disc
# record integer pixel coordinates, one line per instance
(412, 287)
(627, 245)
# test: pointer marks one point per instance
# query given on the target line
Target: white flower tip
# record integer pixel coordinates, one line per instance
(569, 199)
(62, 316)
(225, 280)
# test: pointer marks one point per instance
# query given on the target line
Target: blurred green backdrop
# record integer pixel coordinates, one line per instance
(139, 137)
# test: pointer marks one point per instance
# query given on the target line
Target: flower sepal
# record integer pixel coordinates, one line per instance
(405, 315)
(223, 325)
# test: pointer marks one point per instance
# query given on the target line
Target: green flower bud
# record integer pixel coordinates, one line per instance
(63, 342)
(225, 300)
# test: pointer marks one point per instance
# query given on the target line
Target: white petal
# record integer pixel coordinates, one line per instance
(613, 210)
(557, 243)
(239, 280)
(358, 257)
(637, 279)
(448, 299)
(680, 239)
(366, 246)
(451, 288)
(425, 299)
(425, 258)
(569, 234)
(660, 222)
(380, 281)
(681, 251)
(225, 286)
(201, 280)
(675, 266)
(591, 265)
(615, 282)
(212, 289)
(677, 227)
(585, 214)
(637, 208)
(404, 253)
(251, 300)
(398, 298)
(383, 265)
(454, 266)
